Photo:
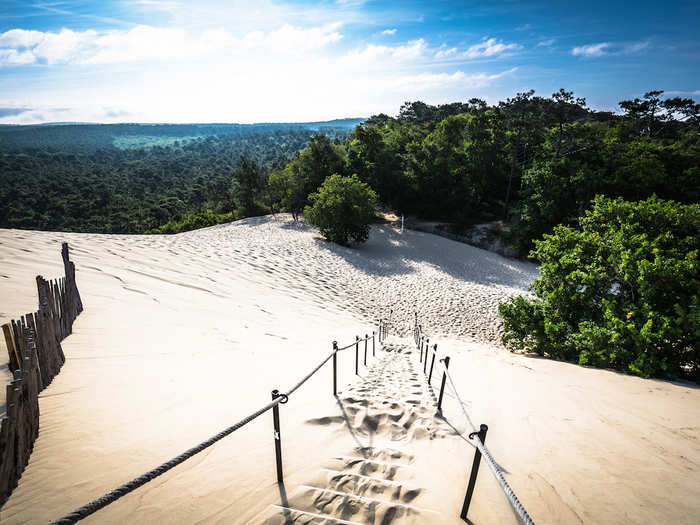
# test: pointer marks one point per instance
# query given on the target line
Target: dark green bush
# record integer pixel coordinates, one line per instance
(343, 209)
(620, 291)
(193, 221)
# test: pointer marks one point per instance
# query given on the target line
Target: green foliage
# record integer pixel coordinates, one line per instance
(194, 222)
(606, 159)
(621, 291)
(66, 180)
(290, 187)
(343, 209)
(287, 188)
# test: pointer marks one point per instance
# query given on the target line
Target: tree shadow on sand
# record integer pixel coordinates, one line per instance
(390, 253)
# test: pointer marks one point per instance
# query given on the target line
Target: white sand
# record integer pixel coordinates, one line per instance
(183, 335)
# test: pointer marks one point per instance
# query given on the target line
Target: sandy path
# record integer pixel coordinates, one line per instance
(183, 335)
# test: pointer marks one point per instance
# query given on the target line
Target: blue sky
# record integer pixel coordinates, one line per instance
(266, 60)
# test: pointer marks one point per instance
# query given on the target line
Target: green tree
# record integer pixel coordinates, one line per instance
(343, 209)
(248, 183)
(621, 291)
(288, 189)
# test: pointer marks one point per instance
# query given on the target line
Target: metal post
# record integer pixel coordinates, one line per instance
(427, 347)
(442, 386)
(357, 354)
(475, 470)
(278, 438)
(366, 337)
(420, 345)
(373, 352)
(335, 368)
(430, 376)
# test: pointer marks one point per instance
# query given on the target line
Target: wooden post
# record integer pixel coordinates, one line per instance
(13, 362)
(373, 353)
(366, 338)
(357, 354)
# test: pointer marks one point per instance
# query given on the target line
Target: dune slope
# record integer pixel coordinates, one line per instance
(183, 335)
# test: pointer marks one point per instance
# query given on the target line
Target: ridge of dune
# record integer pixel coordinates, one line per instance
(182, 335)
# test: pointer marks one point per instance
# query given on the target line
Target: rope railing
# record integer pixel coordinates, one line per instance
(277, 399)
(479, 436)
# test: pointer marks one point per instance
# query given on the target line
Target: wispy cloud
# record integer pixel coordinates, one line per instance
(591, 50)
(389, 32)
(609, 48)
(490, 47)
(423, 81)
(677, 93)
(546, 43)
(635, 47)
(11, 112)
(445, 52)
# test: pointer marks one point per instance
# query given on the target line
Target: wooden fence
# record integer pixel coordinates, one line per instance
(35, 358)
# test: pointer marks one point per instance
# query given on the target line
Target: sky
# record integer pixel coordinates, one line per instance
(293, 61)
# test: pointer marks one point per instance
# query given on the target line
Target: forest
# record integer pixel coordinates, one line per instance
(131, 178)
(533, 162)
(529, 161)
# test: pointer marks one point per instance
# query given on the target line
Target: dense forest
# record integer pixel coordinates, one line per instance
(132, 178)
(531, 161)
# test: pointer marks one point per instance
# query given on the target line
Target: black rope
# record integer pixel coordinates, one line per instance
(126, 488)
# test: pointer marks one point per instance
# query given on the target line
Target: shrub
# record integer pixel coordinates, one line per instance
(620, 291)
(193, 221)
(343, 209)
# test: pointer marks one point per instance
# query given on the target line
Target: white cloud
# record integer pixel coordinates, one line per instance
(15, 58)
(423, 81)
(591, 50)
(374, 54)
(545, 43)
(677, 93)
(20, 38)
(176, 74)
(608, 48)
(489, 48)
(635, 47)
(389, 32)
(147, 43)
(445, 52)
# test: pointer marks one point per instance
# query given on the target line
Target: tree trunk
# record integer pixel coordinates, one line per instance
(513, 159)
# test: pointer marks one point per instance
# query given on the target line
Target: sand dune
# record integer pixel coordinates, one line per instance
(183, 335)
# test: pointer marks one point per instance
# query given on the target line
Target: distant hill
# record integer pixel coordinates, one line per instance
(82, 136)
